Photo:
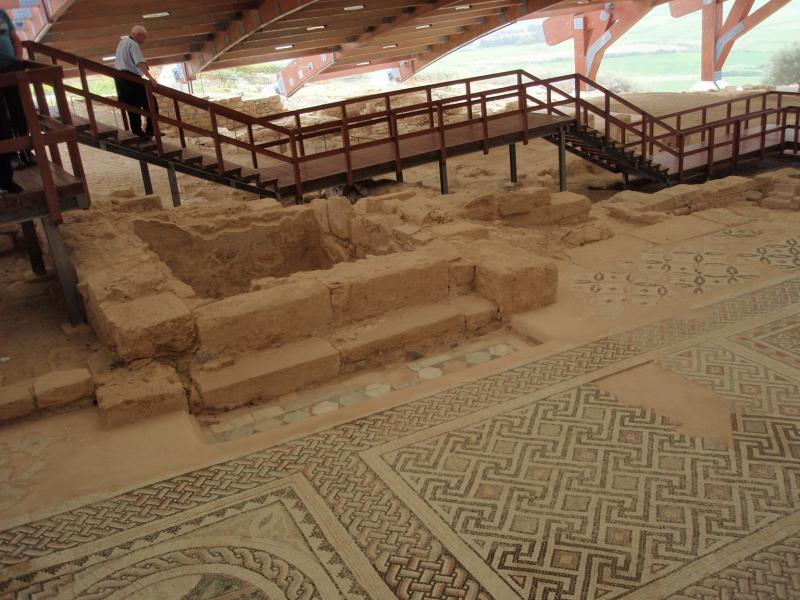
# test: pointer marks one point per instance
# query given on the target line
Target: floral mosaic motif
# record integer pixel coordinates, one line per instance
(782, 255)
(660, 275)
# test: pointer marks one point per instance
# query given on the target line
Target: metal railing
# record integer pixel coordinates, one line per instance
(43, 133)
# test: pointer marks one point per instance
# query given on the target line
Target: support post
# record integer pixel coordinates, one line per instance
(512, 158)
(173, 186)
(65, 271)
(148, 183)
(625, 180)
(562, 160)
(443, 177)
(33, 247)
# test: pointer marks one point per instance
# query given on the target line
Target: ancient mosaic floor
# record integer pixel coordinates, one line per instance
(533, 482)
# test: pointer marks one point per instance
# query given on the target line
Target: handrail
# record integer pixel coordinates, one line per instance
(45, 133)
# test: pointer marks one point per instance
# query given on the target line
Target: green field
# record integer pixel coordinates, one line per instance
(659, 53)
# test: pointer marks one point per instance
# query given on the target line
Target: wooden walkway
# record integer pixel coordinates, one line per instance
(31, 203)
(373, 159)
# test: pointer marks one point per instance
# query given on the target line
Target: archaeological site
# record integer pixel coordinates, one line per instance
(327, 300)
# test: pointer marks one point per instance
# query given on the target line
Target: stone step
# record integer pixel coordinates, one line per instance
(268, 374)
(125, 396)
(419, 329)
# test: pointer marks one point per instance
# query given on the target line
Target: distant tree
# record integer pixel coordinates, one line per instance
(784, 67)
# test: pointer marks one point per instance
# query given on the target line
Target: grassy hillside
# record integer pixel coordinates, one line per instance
(659, 53)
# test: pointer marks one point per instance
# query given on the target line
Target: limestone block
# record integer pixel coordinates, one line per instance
(370, 287)
(563, 206)
(478, 312)
(340, 213)
(523, 201)
(461, 277)
(126, 395)
(459, 229)
(268, 374)
(63, 387)
(151, 326)
(372, 234)
(6, 243)
(320, 206)
(624, 213)
(122, 193)
(631, 199)
(390, 337)
(515, 280)
(673, 198)
(404, 234)
(140, 204)
(776, 202)
(484, 208)
(266, 317)
(16, 401)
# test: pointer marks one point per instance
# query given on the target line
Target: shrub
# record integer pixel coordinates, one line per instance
(784, 67)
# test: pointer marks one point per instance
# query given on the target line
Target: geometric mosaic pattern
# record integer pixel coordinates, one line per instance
(779, 341)
(656, 498)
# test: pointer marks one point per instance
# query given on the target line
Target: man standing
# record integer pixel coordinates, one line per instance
(131, 59)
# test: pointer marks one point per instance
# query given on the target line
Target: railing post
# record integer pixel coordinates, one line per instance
(710, 166)
(37, 143)
(88, 98)
(680, 158)
(484, 124)
(703, 122)
(737, 132)
(299, 127)
(763, 136)
(395, 134)
(796, 128)
(469, 99)
(728, 114)
(608, 116)
(429, 97)
(217, 142)
(644, 137)
(298, 181)
(152, 105)
(577, 100)
(348, 159)
(251, 137)
(783, 122)
(180, 122)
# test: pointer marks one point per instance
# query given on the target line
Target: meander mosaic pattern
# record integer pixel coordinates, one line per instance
(529, 483)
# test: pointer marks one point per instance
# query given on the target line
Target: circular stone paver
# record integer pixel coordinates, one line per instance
(351, 398)
(430, 373)
(376, 390)
(324, 407)
(501, 350)
(478, 358)
(296, 416)
(453, 365)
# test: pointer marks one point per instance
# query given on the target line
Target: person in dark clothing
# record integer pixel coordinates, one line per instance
(129, 58)
(12, 116)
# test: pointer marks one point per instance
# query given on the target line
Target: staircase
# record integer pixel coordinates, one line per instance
(175, 158)
(593, 146)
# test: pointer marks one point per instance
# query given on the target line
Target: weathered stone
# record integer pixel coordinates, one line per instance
(16, 401)
(340, 213)
(462, 277)
(371, 287)
(564, 206)
(63, 387)
(123, 193)
(478, 312)
(391, 336)
(152, 326)
(461, 230)
(523, 201)
(776, 202)
(126, 395)
(261, 319)
(320, 206)
(268, 374)
(515, 280)
(140, 204)
(645, 217)
(6, 243)
(372, 234)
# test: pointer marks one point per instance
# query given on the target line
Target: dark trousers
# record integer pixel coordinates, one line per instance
(12, 119)
(134, 94)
